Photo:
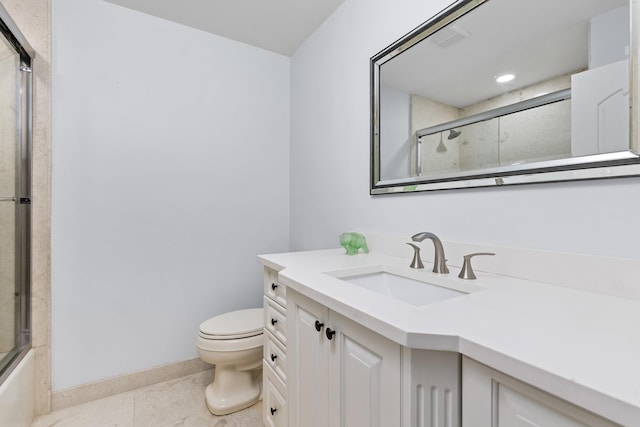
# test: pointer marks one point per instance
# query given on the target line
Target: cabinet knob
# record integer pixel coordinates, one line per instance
(274, 286)
(273, 411)
(274, 357)
(274, 321)
(330, 333)
(319, 325)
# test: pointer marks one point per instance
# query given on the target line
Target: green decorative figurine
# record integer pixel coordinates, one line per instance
(352, 242)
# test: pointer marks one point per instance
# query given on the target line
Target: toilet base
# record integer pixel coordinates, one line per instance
(233, 390)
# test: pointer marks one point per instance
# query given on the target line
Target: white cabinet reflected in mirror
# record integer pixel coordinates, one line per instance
(494, 92)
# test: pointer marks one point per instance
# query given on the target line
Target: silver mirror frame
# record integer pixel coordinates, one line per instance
(601, 166)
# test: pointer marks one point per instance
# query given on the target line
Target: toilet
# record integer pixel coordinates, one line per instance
(233, 343)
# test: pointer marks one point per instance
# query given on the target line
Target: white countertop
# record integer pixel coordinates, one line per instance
(581, 346)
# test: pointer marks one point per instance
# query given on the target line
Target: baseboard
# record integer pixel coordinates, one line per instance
(97, 390)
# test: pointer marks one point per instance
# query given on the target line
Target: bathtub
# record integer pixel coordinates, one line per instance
(17, 394)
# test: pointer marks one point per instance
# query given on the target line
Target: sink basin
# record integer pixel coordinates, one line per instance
(408, 290)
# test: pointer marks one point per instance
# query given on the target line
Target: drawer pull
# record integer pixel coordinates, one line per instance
(319, 325)
(274, 286)
(273, 411)
(274, 357)
(274, 321)
(330, 333)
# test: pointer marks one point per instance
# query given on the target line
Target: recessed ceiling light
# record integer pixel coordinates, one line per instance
(505, 78)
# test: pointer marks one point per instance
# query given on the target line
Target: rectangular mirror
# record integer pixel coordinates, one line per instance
(498, 92)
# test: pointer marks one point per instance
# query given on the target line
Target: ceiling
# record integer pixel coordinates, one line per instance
(280, 26)
(501, 36)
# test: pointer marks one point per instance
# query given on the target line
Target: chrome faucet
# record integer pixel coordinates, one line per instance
(439, 261)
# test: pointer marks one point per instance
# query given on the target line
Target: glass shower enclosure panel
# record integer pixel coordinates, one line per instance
(15, 200)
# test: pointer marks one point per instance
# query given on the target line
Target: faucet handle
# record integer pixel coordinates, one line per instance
(416, 262)
(467, 269)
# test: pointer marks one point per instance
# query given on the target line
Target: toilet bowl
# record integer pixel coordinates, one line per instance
(233, 343)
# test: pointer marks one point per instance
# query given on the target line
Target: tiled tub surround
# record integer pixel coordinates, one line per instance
(580, 345)
(33, 19)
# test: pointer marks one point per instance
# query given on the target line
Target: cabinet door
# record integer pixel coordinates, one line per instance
(274, 403)
(490, 398)
(308, 362)
(364, 372)
(599, 110)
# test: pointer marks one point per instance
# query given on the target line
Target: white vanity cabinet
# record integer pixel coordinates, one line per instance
(340, 373)
(491, 398)
(274, 371)
(486, 359)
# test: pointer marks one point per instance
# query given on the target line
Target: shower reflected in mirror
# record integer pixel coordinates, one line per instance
(441, 147)
(453, 134)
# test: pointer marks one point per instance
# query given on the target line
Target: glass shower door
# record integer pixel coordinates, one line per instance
(14, 202)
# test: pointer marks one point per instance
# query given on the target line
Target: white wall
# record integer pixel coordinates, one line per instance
(330, 160)
(170, 173)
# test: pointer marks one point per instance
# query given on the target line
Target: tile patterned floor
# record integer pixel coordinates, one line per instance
(174, 403)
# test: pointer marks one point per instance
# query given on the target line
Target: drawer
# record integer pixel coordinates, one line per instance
(275, 356)
(274, 401)
(275, 320)
(273, 289)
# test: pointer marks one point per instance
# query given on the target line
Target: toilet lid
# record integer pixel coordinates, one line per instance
(235, 324)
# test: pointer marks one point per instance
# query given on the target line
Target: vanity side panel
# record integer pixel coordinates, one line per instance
(476, 395)
(435, 389)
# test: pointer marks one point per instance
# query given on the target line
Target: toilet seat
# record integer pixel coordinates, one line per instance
(234, 325)
(229, 345)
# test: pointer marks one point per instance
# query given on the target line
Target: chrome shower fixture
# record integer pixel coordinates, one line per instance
(453, 134)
